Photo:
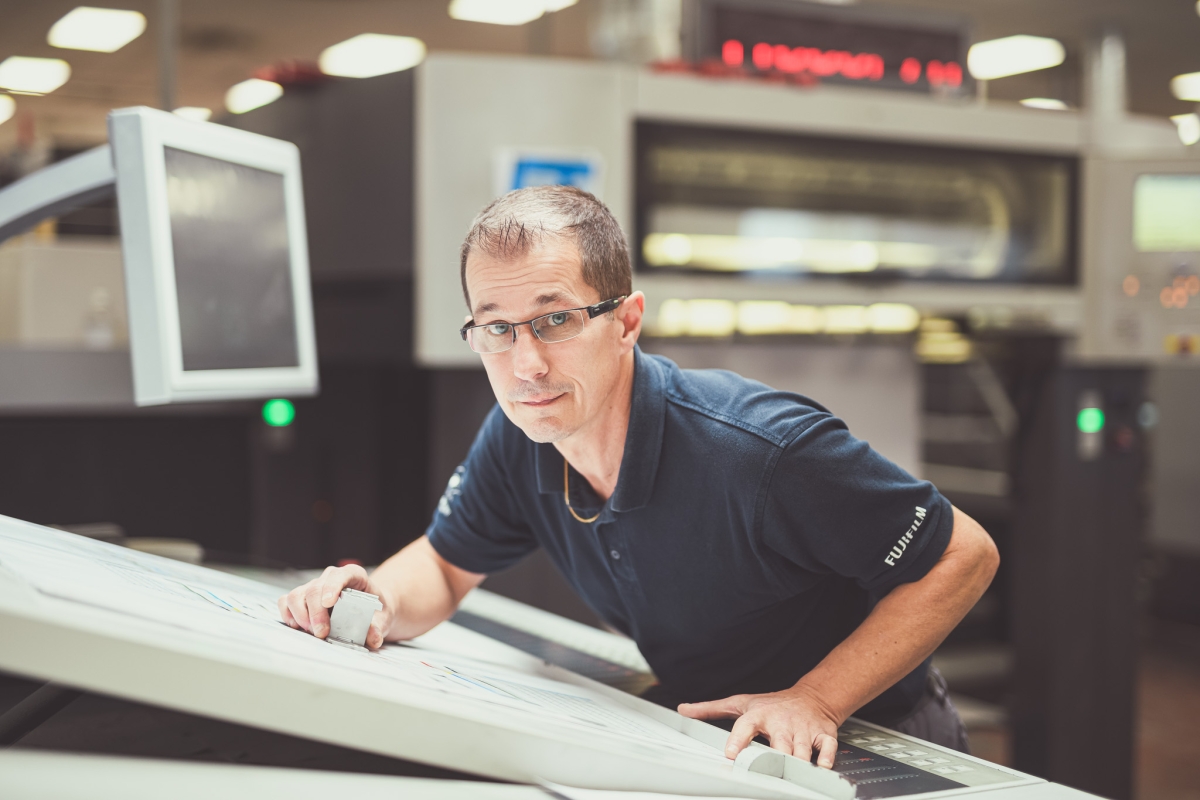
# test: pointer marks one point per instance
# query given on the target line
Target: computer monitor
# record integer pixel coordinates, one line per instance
(214, 248)
(216, 260)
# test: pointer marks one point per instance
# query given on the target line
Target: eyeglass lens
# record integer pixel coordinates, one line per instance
(556, 327)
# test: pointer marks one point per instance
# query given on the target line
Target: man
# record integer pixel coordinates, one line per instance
(772, 569)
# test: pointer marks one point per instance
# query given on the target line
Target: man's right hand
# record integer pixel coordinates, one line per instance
(307, 607)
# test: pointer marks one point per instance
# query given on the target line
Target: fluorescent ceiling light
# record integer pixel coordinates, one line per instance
(1044, 103)
(1186, 125)
(104, 30)
(497, 12)
(557, 5)
(1013, 55)
(1187, 87)
(8, 107)
(33, 75)
(251, 94)
(196, 113)
(371, 54)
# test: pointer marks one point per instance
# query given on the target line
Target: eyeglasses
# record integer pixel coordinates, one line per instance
(558, 326)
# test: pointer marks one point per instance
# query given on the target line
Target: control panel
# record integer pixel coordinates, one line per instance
(1142, 261)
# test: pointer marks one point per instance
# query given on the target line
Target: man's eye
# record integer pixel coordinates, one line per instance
(557, 319)
(499, 329)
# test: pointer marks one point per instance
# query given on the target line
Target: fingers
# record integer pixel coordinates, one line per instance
(827, 750)
(307, 607)
(296, 607)
(744, 730)
(715, 709)
(285, 614)
(318, 613)
(334, 579)
(802, 748)
(781, 741)
(790, 723)
(824, 746)
(375, 635)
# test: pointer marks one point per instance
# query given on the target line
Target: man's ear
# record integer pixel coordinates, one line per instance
(629, 314)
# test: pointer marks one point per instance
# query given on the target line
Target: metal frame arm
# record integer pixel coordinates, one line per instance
(58, 188)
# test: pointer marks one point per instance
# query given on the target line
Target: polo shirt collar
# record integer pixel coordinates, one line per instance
(643, 441)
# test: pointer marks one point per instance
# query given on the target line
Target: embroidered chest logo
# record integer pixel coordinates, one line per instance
(453, 490)
(894, 555)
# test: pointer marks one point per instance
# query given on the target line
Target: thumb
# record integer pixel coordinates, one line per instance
(377, 631)
(715, 709)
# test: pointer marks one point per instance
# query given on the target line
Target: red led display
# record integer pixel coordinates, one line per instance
(939, 74)
(842, 63)
(806, 43)
(732, 53)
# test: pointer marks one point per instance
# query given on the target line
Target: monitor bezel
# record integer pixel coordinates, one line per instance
(139, 137)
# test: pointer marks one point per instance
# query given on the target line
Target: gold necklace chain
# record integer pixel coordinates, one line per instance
(567, 497)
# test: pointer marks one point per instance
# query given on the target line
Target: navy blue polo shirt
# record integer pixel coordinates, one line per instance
(748, 535)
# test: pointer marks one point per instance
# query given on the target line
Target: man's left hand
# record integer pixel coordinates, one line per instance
(794, 721)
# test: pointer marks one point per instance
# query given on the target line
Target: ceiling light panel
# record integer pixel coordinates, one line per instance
(498, 12)
(33, 75)
(251, 94)
(1044, 103)
(371, 54)
(103, 30)
(196, 113)
(1187, 87)
(1013, 55)
(7, 108)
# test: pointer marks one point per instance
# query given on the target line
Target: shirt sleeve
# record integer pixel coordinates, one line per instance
(477, 525)
(834, 505)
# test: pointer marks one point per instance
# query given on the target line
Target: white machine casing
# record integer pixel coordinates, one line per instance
(138, 137)
(593, 106)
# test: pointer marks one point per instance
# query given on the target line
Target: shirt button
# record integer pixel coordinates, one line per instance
(616, 556)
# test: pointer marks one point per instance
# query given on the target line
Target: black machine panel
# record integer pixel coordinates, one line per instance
(730, 201)
(879, 776)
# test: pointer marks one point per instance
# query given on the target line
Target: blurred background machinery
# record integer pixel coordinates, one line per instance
(846, 202)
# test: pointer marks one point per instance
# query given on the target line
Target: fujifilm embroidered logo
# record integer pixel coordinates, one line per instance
(902, 544)
(453, 490)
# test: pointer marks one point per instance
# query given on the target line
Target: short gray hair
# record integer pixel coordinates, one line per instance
(515, 223)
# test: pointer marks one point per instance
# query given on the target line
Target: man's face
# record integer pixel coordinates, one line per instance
(550, 391)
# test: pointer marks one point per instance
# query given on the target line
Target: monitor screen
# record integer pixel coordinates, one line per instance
(232, 264)
(759, 203)
(1166, 213)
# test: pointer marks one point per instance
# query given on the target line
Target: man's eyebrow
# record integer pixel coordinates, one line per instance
(541, 300)
(550, 297)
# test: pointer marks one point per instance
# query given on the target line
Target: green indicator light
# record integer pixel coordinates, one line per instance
(1090, 420)
(278, 413)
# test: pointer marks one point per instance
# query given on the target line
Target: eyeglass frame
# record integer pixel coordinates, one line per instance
(603, 307)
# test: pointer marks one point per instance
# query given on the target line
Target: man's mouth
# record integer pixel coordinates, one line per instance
(538, 402)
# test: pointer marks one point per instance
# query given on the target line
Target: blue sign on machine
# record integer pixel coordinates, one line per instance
(538, 172)
(520, 169)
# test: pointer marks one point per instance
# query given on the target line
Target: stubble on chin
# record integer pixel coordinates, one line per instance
(541, 429)
(546, 430)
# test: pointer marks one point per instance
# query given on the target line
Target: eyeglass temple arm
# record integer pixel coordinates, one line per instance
(604, 307)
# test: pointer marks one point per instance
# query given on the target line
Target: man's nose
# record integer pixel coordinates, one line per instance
(528, 359)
